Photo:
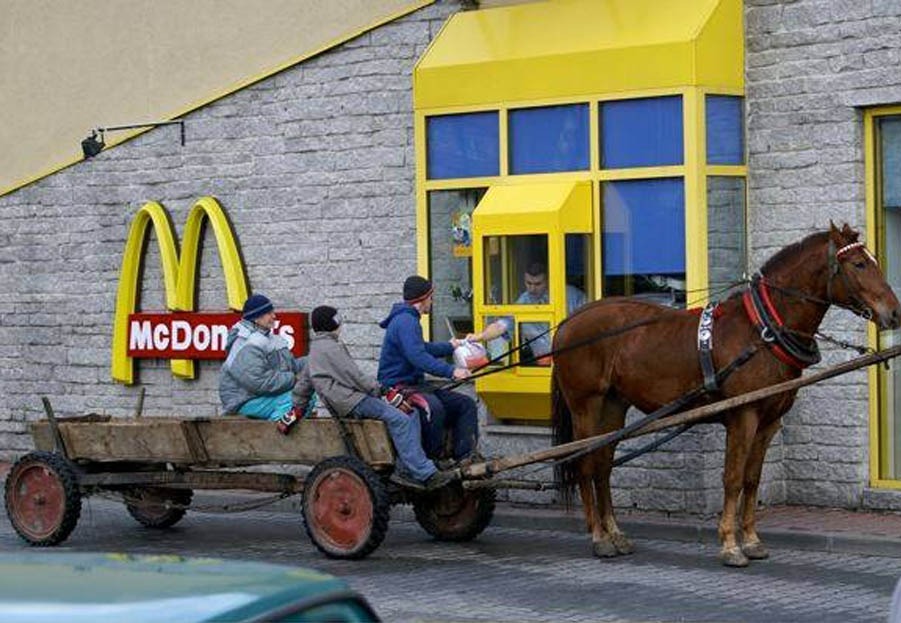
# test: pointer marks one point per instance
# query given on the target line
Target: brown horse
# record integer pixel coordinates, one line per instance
(657, 360)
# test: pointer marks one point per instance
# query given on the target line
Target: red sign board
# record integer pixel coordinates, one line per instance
(201, 335)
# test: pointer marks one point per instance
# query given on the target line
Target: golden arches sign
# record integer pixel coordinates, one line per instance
(179, 273)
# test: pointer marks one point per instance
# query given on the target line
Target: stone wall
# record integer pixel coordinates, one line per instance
(314, 166)
(811, 68)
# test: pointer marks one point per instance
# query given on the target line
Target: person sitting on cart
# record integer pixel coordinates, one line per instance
(259, 373)
(347, 392)
(406, 357)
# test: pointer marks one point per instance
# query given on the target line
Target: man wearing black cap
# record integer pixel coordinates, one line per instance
(258, 375)
(335, 377)
(405, 359)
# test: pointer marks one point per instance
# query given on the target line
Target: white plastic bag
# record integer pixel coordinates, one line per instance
(470, 355)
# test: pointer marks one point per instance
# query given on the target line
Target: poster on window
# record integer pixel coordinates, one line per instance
(461, 229)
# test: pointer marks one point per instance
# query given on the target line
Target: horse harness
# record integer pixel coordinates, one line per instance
(793, 350)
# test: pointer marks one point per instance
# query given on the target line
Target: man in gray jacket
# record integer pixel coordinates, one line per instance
(347, 392)
(257, 377)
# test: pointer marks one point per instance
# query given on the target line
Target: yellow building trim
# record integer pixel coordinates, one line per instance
(576, 48)
(230, 89)
(695, 140)
(879, 437)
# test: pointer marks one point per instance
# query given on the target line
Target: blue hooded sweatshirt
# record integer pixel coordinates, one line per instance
(405, 356)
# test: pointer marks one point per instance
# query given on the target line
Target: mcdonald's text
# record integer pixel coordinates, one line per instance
(188, 335)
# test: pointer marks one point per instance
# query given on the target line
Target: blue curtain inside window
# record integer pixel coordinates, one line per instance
(725, 130)
(641, 132)
(890, 133)
(644, 227)
(462, 145)
(549, 139)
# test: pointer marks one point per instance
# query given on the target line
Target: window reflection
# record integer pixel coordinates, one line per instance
(450, 262)
(644, 239)
(516, 270)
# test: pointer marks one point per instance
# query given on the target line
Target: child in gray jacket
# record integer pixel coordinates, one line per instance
(347, 392)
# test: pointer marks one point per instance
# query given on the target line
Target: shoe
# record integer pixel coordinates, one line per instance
(406, 482)
(473, 457)
(439, 479)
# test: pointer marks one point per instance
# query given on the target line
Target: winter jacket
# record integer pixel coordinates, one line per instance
(334, 376)
(405, 356)
(259, 363)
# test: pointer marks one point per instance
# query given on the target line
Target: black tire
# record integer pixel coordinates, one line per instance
(345, 508)
(151, 507)
(43, 499)
(453, 513)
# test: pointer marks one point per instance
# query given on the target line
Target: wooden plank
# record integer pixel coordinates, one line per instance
(196, 480)
(240, 440)
(223, 441)
(488, 468)
(144, 440)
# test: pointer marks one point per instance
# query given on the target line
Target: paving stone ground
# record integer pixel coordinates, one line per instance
(515, 574)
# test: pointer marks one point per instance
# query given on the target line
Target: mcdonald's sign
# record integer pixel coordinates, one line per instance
(181, 334)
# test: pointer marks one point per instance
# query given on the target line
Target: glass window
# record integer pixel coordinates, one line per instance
(516, 270)
(725, 130)
(644, 239)
(499, 347)
(544, 140)
(889, 212)
(579, 266)
(727, 257)
(450, 265)
(536, 340)
(641, 132)
(462, 145)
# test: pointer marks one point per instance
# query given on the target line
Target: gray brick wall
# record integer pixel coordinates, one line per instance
(314, 167)
(810, 67)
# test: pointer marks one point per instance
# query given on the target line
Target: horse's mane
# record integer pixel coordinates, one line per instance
(792, 251)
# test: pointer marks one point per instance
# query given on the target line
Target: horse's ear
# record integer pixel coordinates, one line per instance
(850, 233)
(834, 233)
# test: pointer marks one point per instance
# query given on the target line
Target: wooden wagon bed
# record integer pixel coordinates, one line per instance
(204, 442)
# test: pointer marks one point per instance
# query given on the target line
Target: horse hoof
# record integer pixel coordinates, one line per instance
(733, 558)
(622, 544)
(755, 551)
(604, 549)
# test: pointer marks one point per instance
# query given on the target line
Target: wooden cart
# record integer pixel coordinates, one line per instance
(155, 464)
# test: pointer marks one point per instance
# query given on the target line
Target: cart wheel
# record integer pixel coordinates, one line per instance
(345, 508)
(43, 500)
(158, 507)
(453, 513)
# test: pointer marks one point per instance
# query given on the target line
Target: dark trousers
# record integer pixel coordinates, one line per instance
(453, 412)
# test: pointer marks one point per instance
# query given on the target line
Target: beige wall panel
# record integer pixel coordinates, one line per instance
(67, 67)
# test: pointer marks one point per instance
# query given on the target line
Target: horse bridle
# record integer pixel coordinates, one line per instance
(836, 267)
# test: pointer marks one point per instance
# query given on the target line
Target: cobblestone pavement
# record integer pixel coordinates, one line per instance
(523, 575)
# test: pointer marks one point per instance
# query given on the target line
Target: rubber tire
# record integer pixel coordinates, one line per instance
(161, 517)
(59, 470)
(453, 513)
(363, 480)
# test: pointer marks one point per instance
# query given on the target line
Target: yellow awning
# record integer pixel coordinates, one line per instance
(558, 207)
(574, 48)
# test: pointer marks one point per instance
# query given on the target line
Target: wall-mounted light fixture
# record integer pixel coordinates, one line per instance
(91, 146)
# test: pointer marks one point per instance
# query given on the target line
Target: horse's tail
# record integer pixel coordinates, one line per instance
(562, 423)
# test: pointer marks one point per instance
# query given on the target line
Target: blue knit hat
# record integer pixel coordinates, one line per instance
(256, 306)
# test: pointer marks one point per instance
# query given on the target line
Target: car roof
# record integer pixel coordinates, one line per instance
(77, 587)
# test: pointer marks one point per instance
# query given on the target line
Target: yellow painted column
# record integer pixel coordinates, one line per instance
(694, 129)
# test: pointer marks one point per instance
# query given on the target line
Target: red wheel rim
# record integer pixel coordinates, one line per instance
(38, 501)
(341, 509)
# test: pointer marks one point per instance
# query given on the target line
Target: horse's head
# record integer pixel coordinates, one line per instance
(856, 282)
